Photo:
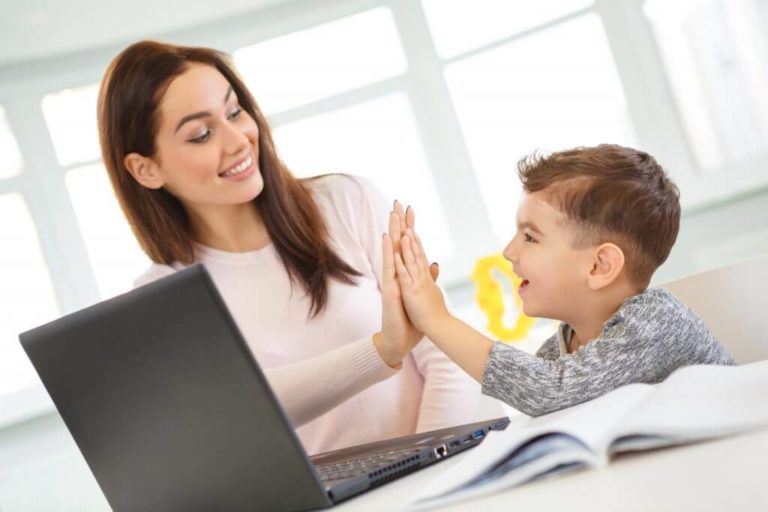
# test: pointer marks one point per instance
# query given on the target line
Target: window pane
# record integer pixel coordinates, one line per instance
(27, 298)
(10, 158)
(378, 140)
(716, 56)
(305, 66)
(458, 26)
(553, 90)
(71, 118)
(114, 252)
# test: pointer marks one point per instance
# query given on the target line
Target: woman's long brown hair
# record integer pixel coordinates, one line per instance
(130, 93)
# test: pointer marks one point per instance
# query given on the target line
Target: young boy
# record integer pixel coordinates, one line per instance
(592, 227)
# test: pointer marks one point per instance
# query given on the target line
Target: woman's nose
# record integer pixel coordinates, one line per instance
(235, 140)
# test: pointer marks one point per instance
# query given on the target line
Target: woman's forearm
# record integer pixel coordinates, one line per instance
(311, 387)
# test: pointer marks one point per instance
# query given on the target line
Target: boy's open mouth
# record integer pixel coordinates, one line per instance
(524, 283)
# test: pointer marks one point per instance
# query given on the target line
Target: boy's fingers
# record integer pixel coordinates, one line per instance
(422, 252)
(402, 272)
(409, 258)
(420, 260)
(418, 255)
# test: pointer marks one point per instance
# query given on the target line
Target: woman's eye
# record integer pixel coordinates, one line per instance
(202, 137)
(235, 113)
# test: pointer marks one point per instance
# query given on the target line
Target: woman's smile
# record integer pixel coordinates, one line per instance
(244, 169)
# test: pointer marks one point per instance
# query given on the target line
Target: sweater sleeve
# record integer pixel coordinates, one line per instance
(301, 403)
(649, 337)
(449, 396)
(331, 387)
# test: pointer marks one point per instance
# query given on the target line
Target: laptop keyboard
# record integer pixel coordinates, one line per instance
(366, 465)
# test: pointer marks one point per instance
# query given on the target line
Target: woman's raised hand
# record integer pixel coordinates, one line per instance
(398, 335)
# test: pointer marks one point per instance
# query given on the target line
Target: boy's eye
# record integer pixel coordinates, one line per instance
(202, 137)
(528, 238)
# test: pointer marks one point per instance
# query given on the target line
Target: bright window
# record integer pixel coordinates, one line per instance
(378, 140)
(71, 118)
(552, 90)
(305, 66)
(26, 296)
(10, 158)
(115, 255)
(459, 26)
(716, 58)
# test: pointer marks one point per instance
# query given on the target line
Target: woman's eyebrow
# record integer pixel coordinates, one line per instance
(198, 115)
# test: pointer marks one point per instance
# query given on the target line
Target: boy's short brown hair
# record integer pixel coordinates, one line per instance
(612, 194)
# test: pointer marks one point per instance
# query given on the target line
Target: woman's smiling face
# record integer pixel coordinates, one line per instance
(207, 145)
(553, 271)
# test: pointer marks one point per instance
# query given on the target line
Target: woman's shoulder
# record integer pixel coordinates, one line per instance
(346, 196)
(154, 272)
(340, 187)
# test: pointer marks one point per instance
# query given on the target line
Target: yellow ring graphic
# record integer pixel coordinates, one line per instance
(490, 298)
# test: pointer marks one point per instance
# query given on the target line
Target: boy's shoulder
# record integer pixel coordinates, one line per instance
(654, 302)
(657, 317)
(651, 313)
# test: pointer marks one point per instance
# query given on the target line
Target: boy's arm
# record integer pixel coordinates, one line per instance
(426, 308)
(467, 347)
(528, 383)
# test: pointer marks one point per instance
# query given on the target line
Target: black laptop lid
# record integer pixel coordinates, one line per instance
(168, 405)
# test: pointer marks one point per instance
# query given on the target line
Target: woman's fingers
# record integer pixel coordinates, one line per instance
(410, 218)
(400, 216)
(394, 231)
(389, 261)
(434, 271)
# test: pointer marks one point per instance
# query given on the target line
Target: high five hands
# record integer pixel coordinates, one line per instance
(409, 293)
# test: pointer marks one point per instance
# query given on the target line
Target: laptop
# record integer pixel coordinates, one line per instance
(172, 412)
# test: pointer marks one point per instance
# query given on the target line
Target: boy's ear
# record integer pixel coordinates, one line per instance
(608, 263)
(144, 170)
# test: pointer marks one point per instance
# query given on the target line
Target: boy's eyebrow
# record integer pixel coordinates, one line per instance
(198, 115)
(529, 225)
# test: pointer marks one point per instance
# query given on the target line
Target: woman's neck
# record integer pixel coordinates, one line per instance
(236, 228)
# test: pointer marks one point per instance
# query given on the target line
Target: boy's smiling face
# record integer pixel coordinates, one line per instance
(554, 273)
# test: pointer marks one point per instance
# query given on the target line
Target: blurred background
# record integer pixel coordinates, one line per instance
(433, 100)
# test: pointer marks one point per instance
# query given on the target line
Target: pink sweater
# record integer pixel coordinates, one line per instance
(325, 370)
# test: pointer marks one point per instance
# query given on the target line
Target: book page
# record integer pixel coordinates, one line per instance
(507, 458)
(552, 454)
(698, 402)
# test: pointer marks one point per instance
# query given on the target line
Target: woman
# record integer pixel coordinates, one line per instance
(298, 262)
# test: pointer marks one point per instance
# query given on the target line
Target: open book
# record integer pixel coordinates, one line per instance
(694, 403)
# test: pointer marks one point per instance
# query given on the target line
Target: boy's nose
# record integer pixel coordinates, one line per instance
(509, 251)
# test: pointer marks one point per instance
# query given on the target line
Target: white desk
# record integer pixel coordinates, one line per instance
(41, 470)
(729, 474)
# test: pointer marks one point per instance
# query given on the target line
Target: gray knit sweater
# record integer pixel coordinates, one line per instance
(651, 335)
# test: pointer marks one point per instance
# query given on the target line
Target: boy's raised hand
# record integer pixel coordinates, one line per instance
(398, 335)
(422, 298)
